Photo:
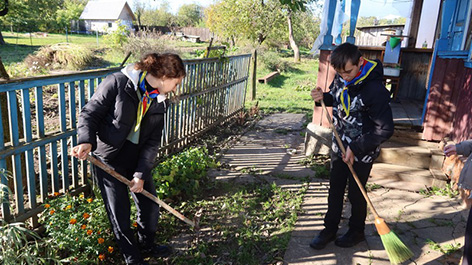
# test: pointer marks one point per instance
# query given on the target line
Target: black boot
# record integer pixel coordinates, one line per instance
(350, 239)
(323, 238)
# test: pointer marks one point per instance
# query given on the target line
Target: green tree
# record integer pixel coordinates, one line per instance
(254, 20)
(158, 17)
(189, 15)
(293, 8)
(72, 9)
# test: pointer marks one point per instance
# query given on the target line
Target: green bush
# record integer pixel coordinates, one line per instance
(181, 175)
(79, 229)
(118, 37)
(272, 61)
(19, 245)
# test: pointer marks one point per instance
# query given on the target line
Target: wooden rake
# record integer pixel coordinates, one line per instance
(153, 198)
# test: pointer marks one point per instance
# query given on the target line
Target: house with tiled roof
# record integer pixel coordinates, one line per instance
(104, 15)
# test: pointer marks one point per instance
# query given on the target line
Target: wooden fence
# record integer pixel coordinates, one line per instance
(42, 113)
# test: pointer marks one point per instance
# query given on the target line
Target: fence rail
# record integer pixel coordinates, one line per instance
(42, 112)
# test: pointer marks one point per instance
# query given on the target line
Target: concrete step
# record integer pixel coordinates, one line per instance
(399, 153)
(405, 178)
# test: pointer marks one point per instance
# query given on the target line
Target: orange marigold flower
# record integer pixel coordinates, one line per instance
(135, 224)
(90, 200)
(68, 207)
(110, 249)
(89, 232)
(101, 256)
(86, 215)
(83, 226)
(101, 240)
(72, 221)
(47, 205)
(56, 193)
(52, 212)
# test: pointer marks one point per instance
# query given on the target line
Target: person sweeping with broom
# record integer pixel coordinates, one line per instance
(362, 118)
(122, 124)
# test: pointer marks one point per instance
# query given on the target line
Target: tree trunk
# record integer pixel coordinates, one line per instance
(293, 44)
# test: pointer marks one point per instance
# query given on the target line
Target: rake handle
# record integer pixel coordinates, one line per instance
(124, 180)
(343, 150)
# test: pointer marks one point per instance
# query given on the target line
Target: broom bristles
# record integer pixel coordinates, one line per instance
(397, 251)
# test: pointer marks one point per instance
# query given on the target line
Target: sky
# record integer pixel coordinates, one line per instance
(174, 4)
(378, 8)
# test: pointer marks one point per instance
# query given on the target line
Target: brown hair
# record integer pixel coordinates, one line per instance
(343, 54)
(167, 64)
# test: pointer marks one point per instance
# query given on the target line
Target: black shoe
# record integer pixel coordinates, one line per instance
(350, 239)
(158, 251)
(323, 239)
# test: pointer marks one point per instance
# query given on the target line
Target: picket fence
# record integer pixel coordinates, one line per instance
(42, 112)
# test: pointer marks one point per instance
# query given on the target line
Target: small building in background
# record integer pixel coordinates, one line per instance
(375, 35)
(104, 15)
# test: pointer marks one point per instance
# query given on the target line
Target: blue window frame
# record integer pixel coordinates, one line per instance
(457, 24)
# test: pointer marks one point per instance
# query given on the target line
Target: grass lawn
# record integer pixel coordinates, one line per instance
(288, 92)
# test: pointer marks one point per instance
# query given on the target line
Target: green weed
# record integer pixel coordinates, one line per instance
(446, 249)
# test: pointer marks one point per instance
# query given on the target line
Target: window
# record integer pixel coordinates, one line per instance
(457, 23)
(110, 24)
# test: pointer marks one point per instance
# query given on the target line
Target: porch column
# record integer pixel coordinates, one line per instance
(355, 6)
(328, 39)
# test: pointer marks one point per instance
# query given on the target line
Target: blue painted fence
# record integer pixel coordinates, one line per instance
(36, 150)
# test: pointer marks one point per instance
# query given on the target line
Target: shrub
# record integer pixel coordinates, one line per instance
(117, 37)
(79, 229)
(18, 245)
(181, 175)
(147, 42)
(272, 61)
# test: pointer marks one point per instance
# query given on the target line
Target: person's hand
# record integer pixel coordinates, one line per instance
(80, 151)
(450, 150)
(317, 94)
(348, 158)
(137, 185)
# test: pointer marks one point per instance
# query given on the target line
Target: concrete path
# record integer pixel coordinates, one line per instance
(429, 226)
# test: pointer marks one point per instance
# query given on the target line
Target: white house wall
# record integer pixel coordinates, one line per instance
(428, 23)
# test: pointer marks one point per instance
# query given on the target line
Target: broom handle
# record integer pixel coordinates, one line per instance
(124, 180)
(354, 175)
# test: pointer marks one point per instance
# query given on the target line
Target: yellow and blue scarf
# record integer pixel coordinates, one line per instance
(364, 71)
(145, 99)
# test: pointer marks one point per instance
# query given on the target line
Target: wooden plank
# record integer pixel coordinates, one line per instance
(63, 126)
(3, 180)
(30, 174)
(16, 161)
(73, 125)
(43, 175)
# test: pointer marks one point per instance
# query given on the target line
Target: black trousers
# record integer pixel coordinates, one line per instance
(340, 174)
(117, 203)
(467, 256)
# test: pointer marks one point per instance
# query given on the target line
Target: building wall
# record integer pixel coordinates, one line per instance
(104, 25)
(449, 103)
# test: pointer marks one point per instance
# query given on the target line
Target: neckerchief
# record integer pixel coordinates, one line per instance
(145, 99)
(364, 71)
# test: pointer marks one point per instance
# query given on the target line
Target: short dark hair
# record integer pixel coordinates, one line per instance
(343, 54)
(167, 64)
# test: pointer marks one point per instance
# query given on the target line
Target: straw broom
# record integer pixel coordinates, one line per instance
(397, 251)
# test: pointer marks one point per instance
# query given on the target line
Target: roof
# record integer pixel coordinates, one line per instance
(105, 9)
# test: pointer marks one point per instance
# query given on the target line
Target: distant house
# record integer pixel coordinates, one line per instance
(103, 15)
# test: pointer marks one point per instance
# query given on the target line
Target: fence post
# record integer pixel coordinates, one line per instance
(254, 79)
